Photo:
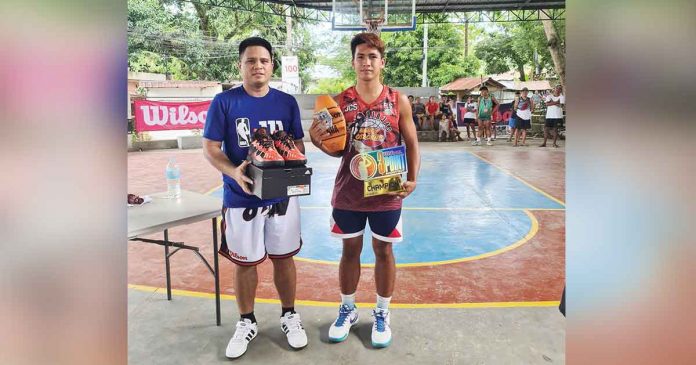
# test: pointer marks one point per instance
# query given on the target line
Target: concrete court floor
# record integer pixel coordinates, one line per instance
(183, 331)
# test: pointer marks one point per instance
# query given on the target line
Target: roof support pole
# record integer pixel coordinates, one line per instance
(425, 56)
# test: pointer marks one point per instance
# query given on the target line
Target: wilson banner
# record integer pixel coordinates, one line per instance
(165, 115)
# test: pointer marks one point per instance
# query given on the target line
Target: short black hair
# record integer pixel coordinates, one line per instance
(483, 88)
(371, 39)
(255, 41)
(410, 96)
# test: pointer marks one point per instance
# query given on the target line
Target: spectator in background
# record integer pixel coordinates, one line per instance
(454, 133)
(470, 117)
(453, 104)
(536, 99)
(432, 110)
(419, 112)
(513, 117)
(413, 112)
(445, 117)
(445, 107)
(486, 103)
(443, 133)
(554, 114)
(523, 107)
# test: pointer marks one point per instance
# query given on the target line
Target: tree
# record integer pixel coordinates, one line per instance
(446, 61)
(513, 45)
(192, 40)
(556, 48)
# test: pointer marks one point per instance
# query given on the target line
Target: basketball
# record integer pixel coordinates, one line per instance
(326, 110)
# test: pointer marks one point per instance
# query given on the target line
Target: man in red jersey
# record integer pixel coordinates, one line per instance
(377, 117)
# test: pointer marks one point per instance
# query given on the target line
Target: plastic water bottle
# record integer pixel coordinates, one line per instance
(173, 179)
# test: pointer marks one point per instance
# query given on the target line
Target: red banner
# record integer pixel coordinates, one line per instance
(165, 115)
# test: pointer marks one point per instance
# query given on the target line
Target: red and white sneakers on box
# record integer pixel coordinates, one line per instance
(262, 153)
(285, 145)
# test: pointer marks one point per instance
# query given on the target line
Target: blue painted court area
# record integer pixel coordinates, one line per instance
(462, 207)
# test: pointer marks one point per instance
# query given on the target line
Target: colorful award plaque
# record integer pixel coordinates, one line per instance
(380, 170)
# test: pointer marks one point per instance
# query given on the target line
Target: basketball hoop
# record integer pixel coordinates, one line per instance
(373, 16)
(373, 25)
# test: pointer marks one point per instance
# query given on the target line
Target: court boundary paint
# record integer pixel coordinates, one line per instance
(315, 303)
(519, 178)
(530, 234)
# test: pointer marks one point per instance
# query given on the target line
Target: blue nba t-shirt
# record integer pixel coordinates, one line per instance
(233, 117)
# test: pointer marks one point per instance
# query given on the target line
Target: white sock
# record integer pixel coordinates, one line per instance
(478, 139)
(382, 302)
(348, 299)
(489, 139)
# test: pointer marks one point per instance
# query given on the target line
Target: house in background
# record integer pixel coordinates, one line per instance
(465, 86)
(502, 86)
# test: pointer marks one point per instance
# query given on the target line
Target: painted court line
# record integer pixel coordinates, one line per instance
(519, 178)
(485, 209)
(313, 303)
(532, 232)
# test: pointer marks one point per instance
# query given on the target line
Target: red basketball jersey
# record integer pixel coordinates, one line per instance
(370, 127)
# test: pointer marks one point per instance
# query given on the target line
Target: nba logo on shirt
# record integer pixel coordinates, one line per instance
(243, 132)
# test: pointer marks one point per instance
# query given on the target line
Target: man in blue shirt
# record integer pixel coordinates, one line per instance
(252, 228)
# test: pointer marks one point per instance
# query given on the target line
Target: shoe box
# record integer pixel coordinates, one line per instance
(280, 182)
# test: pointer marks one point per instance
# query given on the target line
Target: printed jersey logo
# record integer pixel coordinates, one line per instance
(388, 107)
(350, 107)
(369, 131)
(272, 125)
(243, 132)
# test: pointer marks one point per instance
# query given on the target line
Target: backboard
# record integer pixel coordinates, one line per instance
(374, 15)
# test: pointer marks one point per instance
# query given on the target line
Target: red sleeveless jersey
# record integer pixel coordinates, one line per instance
(370, 127)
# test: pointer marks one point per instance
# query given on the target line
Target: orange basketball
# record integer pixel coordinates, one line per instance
(326, 107)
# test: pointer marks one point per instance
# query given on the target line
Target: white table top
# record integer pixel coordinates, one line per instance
(164, 213)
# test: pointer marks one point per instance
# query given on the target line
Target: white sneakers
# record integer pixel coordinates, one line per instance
(347, 317)
(381, 333)
(246, 331)
(292, 327)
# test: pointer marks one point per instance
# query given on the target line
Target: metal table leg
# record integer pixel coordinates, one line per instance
(217, 271)
(166, 264)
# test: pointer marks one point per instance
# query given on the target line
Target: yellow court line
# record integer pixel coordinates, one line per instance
(213, 189)
(520, 179)
(532, 232)
(453, 208)
(314, 303)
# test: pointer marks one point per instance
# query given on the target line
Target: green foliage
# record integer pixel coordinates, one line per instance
(512, 46)
(446, 61)
(200, 42)
(332, 85)
(194, 41)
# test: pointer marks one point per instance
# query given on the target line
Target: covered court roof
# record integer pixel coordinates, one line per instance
(444, 6)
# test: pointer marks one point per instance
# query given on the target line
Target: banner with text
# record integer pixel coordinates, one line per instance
(169, 115)
(290, 75)
(501, 113)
